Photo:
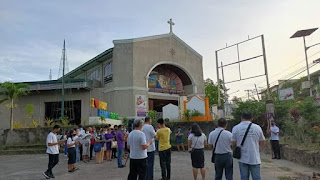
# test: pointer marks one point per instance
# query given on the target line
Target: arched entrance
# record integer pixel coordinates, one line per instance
(166, 82)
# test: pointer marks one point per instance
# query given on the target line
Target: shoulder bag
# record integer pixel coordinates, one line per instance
(192, 149)
(237, 150)
(214, 149)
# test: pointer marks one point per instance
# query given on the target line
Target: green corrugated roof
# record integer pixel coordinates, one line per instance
(58, 81)
(106, 52)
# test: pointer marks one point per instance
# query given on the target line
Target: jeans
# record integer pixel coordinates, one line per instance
(77, 154)
(138, 168)
(66, 149)
(275, 148)
(223, 162)
(156, 142)
(120, 153)
(165, 163)
(150, 160)
(246, 169)
(53, 160)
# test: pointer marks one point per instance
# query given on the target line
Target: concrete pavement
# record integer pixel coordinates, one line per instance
(30, 167)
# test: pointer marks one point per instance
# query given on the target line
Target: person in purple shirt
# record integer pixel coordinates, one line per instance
(188, 133)
(109, 137)
(120, 141)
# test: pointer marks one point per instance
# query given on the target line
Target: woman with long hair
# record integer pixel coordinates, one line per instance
(71, 151)
(196, 142)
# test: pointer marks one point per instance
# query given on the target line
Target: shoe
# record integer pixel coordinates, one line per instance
(121, 166)
(274, 158)
(52, 176)
(46, 175)
(278, 157)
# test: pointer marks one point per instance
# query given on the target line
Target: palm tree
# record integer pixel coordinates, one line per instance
(10, 91)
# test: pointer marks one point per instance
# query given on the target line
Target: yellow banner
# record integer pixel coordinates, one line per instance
(99, 104)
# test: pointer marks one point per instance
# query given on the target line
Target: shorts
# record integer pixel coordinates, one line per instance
(71, 155)
(197, 158)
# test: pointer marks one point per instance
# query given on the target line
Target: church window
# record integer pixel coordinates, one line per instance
(108, 74)
(95, 75)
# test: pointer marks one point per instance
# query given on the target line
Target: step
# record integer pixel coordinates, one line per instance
(22, 151)
(27, 146)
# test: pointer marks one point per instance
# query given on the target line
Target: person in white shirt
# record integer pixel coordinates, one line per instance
(196, 142)
(148, 130)
(138, 151)
(53, 151)
(71, 143)
(223, 157)
(274, 140)
(250, 156)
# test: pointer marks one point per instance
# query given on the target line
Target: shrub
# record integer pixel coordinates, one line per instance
(17, 125)
(187, 115)
(195, 113)
(125, 121)
(48, 122)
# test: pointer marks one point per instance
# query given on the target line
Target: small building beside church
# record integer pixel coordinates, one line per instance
(134, 76)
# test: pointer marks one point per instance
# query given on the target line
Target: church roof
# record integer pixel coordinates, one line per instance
(157, 37)
(89, 64)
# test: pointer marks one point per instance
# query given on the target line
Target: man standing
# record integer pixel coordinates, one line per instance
(138, 152)
(120, 142)
(114, 132)
(148, 130)
(163, 135)
(52, 151)
(250, 156)
(223, 156)
(274, 139)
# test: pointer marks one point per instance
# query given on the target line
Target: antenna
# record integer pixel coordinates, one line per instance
(50, 75)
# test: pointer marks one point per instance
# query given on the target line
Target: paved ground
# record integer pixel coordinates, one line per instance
(30, 167)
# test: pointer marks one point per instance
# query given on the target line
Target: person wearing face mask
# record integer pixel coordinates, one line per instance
(71, 143)
(109, 138)
(120, 141)
(179, 141)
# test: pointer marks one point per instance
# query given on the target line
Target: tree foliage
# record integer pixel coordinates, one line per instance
(211, 91)
(11, 91)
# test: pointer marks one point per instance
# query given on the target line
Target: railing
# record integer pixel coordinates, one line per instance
(167, 91)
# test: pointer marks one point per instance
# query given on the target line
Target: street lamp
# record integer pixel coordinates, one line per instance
(304, 33)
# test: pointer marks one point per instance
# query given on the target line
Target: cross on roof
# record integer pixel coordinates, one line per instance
(171, 24)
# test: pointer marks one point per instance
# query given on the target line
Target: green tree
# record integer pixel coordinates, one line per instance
(29, 109)
(11, 92)
(211, 91)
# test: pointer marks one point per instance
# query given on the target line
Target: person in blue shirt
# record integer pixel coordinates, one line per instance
(179, 140)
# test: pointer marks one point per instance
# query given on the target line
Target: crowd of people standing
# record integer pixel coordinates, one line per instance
(242, 143)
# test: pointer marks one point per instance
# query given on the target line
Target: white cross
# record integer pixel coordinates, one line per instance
(171, 24)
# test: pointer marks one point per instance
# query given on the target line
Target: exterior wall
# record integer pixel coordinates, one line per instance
(148, 53)
(38, 99)
(122, 65)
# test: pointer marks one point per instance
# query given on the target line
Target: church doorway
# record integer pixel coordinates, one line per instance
(158, 104)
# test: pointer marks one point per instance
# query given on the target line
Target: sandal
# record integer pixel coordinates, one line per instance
(70, 171)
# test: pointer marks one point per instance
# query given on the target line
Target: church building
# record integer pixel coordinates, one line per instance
(131, 78)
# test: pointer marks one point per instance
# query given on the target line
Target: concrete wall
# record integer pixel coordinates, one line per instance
(148, 53)
(38, 99)
(308, 158)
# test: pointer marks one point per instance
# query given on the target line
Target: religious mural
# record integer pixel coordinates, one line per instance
(165, 80)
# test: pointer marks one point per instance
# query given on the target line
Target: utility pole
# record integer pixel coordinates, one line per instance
(257, 91)
(63, 69)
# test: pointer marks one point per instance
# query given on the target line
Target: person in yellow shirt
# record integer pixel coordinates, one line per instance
(163, 135)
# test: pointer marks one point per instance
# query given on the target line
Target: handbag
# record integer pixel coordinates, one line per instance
(214, 149)
(237, 150)
(114, 144)
(97, 147)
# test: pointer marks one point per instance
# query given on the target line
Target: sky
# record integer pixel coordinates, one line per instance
(32, 34)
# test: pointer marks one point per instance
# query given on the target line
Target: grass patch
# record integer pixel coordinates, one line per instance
(266, 160)
(285, 168)
(285, 178)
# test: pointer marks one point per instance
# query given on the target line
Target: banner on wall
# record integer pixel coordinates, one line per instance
(141, 105)
(286, 94)
(99, 104)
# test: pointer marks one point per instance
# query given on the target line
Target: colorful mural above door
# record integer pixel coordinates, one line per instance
(167, 80)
